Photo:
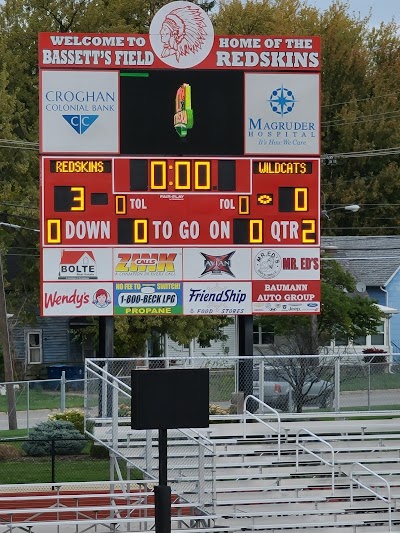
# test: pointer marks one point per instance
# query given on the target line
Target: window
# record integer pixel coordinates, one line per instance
(261, 335)
(378, 338)
(360, 341)
(34, 346)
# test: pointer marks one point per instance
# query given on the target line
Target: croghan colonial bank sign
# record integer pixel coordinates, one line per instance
(180, 170)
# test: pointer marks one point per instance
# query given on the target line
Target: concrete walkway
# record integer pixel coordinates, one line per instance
(25, 419)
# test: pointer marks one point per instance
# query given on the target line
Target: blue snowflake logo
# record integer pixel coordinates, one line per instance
(282, 101)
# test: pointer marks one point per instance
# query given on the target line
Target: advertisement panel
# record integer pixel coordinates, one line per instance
(290, 296)
(79, 112)
(146, 264)
(148, 298)
(286, 263)
(216, 264)
(217, 298)
(72, 264)
(282, 114)
(77, 299)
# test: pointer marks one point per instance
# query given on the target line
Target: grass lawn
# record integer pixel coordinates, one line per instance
(13, 433)
(378, 381)
(40, 399)
(372, 409)
(38, 470)
(222, 384)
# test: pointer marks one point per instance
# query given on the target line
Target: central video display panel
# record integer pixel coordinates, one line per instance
(147, 113)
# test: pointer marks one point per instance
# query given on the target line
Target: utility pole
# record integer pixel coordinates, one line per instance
(8, 367)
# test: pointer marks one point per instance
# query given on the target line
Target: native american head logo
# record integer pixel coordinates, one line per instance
(182, 36)
(183, 32)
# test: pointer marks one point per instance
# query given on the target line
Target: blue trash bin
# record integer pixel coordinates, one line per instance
(54, 372)
(75, 372)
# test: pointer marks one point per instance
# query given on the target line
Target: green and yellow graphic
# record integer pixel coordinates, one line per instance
(183, 118)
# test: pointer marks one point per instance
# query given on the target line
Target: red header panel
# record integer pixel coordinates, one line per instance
(122, 51)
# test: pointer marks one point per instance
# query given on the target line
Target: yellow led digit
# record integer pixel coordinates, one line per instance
(244, 205)
(140, 231)
(182, 175)
(53, 231)
(78, 198)
(308, 231)
(256, 231)
(202, 175)
(158, 175)
(301, 199)
(120, 204)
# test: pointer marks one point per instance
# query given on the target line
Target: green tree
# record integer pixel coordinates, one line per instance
(343, 315)
(132, 333)
(360, 101)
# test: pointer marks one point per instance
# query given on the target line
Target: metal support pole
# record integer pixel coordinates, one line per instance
(245, 378)
(7, 359)
(337, 385)
(114, 415)
(148, 451)
(202, 469)
(162, 492)
(62, 387)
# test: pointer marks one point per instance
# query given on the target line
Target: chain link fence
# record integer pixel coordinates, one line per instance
(312, 384)
(290, 384)
(19, 462)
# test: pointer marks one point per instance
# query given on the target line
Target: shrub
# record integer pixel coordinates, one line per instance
(67, 439)
(215, 409)
(124, 410)
(71, 415)
(7, 451)
(373, 355)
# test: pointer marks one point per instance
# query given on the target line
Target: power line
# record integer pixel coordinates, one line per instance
(362, 99)
(361, 120)
(340, 121)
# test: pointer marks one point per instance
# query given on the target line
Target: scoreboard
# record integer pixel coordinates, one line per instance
(171, 189)
(180, 201)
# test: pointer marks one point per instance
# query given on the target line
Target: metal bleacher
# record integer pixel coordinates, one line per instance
(251, 472)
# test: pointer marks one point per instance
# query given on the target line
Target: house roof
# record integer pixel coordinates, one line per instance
(388, 310)
(372, 260)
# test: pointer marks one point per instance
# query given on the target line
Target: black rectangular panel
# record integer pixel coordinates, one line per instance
(240, 231)
(170, 398)
(286, 199)
(63, 198)
(139, 175)
(227, 175)
(125, 231)
(147, 108)
(99, 198)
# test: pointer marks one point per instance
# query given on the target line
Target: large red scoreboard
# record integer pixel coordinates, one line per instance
(184, 189)
(180, 201)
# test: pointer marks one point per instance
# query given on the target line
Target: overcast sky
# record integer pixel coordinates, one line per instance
(382, 10)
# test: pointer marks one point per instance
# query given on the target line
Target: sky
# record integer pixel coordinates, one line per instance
(382, 10)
